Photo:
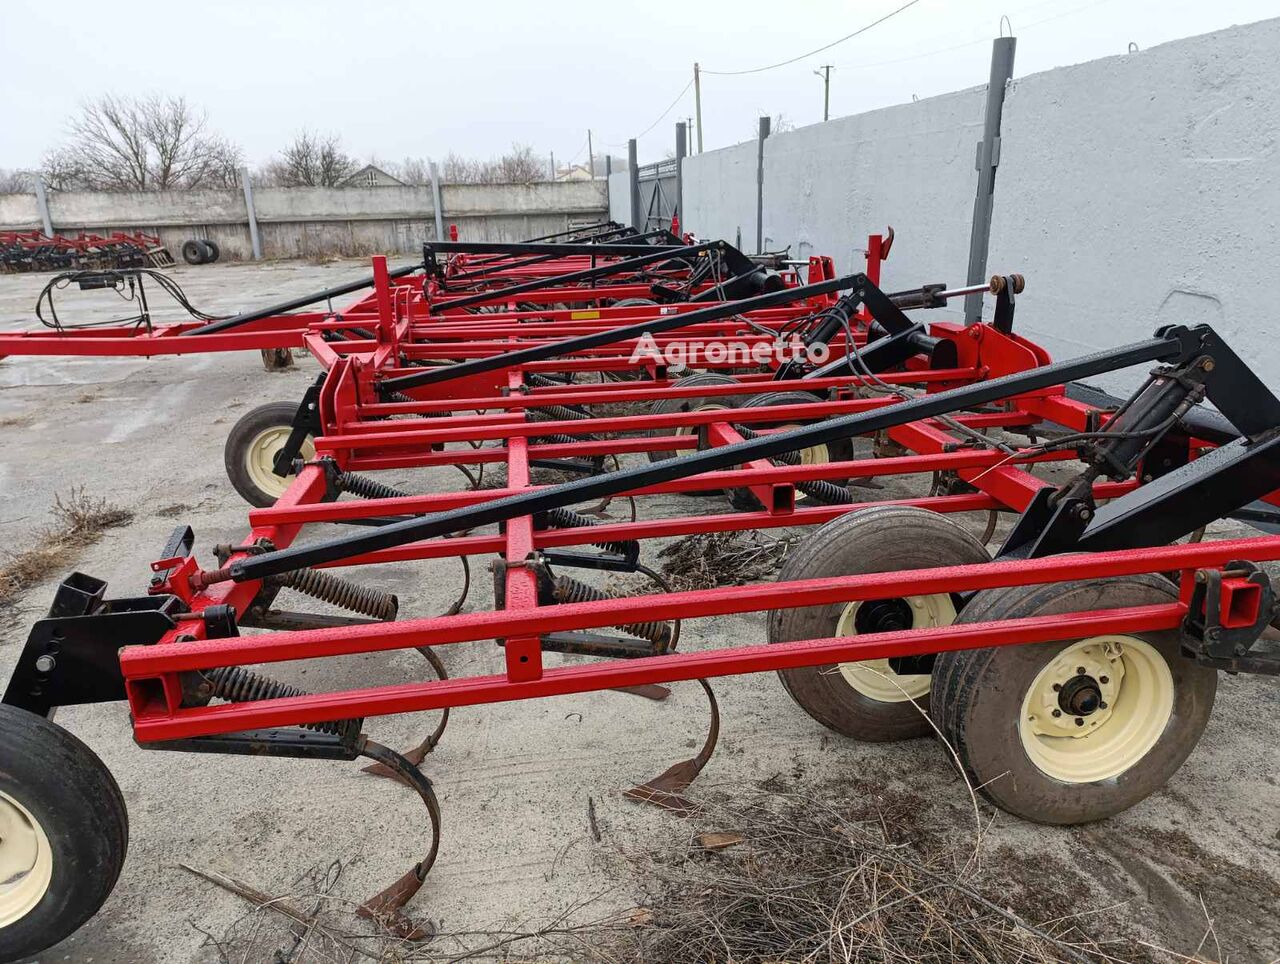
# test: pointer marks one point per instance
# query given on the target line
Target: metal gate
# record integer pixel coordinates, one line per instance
(658, 194)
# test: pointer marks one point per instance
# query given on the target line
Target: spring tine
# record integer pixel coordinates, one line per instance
(342, 593)
(386, 906)
(667, 788)
(419, 753)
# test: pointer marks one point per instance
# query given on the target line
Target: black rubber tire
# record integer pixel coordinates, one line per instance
(193, 252)
(633, 303)
(979, 697)
(74, 798)
(838, 451)
(876, 539)
(234, 454)
(670, 406)
(215, 252)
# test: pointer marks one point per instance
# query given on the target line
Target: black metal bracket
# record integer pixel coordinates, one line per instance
(70, 657)
(306, 421)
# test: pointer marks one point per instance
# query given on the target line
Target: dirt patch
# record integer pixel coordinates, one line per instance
(78, 521)
(710, 559)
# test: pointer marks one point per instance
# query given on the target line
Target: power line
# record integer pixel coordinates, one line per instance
(784, 63)
(670, 106)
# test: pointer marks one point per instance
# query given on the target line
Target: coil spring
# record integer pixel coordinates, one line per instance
(562, 518)
(559, 438)
(819, 489)
(547, 413)
(539, 380)
(366, 487)
(238, 685)
(339, 592)
(394, 396)
(569, 590)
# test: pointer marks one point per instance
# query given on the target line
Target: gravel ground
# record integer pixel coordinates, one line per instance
(522, 785)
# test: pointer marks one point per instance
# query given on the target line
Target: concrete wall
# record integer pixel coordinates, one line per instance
(828, 186)
(309, 222)
(720, 194)
(1144, 190)
(1132, 192)
(620, 197)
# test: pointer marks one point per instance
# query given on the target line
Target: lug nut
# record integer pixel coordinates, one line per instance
(1079, 721)
(1057, 687)
(1103, 679)
(1079, 670)
(45, 664)
(1057, 712)
(1102, 705)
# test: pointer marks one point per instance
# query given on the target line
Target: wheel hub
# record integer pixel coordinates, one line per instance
(1081, 696)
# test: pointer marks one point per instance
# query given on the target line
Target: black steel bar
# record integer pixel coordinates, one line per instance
(587, 274)
(300, 302)
(524, 356)
(496, 263)
(557, 248)
(1168, 346)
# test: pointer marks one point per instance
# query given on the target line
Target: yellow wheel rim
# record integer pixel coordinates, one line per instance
(260, 456)
(26, 861)
(813, 455)
(875, 678)
(1096, 709)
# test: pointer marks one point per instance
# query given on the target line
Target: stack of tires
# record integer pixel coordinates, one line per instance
(200, 251)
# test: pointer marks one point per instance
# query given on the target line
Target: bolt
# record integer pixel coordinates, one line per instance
(1057, 713)
(1209, 365)
(45, 664)
(1103, 679)
(1079, 670)
(1056, 687)
(1079, 721)
(1102, 705)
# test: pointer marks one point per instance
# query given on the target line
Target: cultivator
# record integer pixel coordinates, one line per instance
(34, 251)
(1071, 670)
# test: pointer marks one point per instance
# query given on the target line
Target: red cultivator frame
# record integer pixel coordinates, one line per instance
(1072, 672)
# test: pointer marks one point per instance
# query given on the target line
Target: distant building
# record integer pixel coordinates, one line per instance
(371, 176)
(577, 172)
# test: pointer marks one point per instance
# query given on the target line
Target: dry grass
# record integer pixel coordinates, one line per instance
(848, 874)
(710, 559)
(78, 521)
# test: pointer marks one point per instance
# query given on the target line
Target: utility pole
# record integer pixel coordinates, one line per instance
(591, 156)
(697, 102)
(553, 165)
(825, 74)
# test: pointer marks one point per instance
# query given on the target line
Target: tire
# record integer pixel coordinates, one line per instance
(193, 252)
(670, 406)
(64, 824)
(1159, 705)
(251, 445)
(840, 451)
(215, 252)
(870, 702)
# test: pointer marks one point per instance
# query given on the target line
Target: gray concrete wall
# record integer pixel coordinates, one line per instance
(620, 197)
(720, 194)
(1144, 190)
(1133, 191)
(313, 222)
(828, 186)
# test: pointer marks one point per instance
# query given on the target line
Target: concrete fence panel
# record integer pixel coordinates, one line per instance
(826, 187)
(1144, 190)
(720, 194)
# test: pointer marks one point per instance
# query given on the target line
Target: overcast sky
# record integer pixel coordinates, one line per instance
(405, 79)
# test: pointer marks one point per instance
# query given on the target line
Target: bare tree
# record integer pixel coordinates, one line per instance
(518, 166)
(141, 144)
(16, 182)
(311, 160)
(778, 124)
(414, 170)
